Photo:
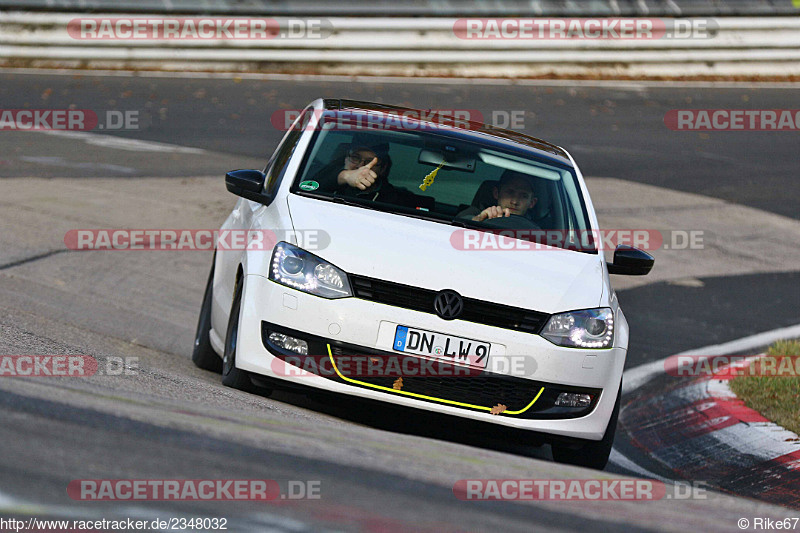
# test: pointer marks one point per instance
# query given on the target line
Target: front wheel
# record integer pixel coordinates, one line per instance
(593, 454)
(231, 376)
(203, 355)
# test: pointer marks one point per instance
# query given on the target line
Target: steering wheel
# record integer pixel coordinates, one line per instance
(511, 222)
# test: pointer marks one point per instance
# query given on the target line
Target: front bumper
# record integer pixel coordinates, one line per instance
(531, 369)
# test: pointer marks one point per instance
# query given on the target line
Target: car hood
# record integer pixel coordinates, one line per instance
(418, 252)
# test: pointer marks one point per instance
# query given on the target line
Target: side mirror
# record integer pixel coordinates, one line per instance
(630, 261)
(248, 184)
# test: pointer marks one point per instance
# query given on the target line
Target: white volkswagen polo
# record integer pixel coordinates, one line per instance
(428, 262)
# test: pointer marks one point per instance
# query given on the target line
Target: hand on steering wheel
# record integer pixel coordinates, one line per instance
(511, 222)
(494, 211)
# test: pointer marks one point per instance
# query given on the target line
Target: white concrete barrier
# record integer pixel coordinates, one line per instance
(766, 46)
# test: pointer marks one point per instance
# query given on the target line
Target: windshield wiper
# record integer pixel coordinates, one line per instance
(357, 202)
(385, 207)
(468, 223)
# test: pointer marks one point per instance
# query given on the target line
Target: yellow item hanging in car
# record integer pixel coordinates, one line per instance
(427, 181)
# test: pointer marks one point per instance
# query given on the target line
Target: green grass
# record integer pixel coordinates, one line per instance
(777, 398)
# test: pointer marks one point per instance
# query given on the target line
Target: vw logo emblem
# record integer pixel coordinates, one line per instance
(448, 304)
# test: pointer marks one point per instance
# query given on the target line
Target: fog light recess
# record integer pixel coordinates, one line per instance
(573, 399)
(288, 343)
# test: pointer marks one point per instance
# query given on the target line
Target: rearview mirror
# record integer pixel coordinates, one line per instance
(630, 261)
(447, 160)
(248, 184)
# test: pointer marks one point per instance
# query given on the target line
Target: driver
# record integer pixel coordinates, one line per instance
(514, 195)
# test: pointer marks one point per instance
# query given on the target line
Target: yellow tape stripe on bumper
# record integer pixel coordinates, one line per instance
(415, 395)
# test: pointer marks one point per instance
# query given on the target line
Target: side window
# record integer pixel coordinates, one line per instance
(277, 165)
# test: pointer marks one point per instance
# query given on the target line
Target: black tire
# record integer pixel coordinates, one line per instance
(203, 355)
(232, 376)
(593, 454)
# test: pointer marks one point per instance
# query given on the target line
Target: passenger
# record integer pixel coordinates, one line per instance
(365, 167)
(365, 175)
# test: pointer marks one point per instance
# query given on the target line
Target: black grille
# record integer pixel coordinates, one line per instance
(466, 385)
(394, 294)
(483, 389)
(417, 299)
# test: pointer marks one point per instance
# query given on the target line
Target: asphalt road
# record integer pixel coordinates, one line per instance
(380, 470)
(611, 131)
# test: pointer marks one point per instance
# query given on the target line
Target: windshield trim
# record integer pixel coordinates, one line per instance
(394, 209)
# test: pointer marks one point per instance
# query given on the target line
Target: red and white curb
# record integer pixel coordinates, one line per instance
(746, 430)
(701, 431)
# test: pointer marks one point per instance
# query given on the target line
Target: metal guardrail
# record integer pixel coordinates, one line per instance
(419, 8)
(766, 46)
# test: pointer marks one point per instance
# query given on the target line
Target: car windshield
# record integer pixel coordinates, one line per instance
(439, 174)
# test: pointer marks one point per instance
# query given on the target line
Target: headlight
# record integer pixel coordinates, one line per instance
(591, 328)
(301, 270)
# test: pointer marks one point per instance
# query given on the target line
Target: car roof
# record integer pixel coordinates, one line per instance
(477, 131)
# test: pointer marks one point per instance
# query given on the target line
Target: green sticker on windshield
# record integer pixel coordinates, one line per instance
(309, 185)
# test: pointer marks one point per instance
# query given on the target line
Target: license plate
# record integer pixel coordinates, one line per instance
(441, 346)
